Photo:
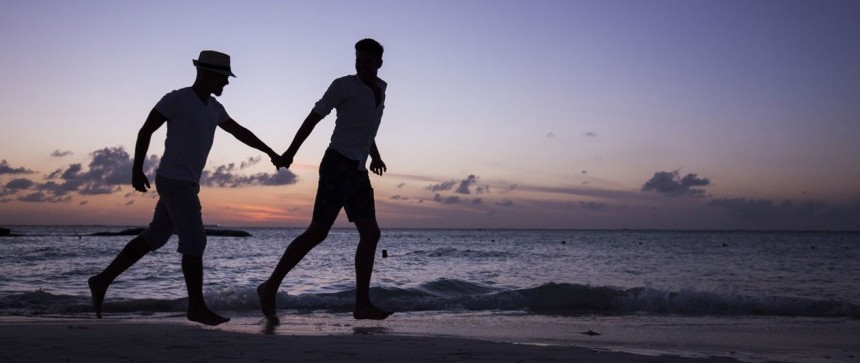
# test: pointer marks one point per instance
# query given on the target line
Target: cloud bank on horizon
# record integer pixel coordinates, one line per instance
(108, 173)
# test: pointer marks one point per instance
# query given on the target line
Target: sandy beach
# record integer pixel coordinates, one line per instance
(73, 340)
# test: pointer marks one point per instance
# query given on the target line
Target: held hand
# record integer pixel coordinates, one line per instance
(276, 161)
(285, 161)
(377, 166)
(139, 181)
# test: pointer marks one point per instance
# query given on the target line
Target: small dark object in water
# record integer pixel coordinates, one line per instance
(384, 253)
(590, 333)
(724, 245)
(564, 242)
(5, 231)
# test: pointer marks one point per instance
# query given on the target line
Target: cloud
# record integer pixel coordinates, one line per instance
(399, 197)
(505, 203)
(477, 201)
(58, 154)
(224, 176)
(789, 214)
(110, 169)
(481, 189)
(441, 187)
(446, 200)
(550, 135)
(590, 134)
(401, 185)
(39, 197)
(593, 206)
(6, 169)
(670, 183)
(20, 184)
(250, 161)
(465, 184)
(756, 208)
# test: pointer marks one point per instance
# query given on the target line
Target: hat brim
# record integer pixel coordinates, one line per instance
(214, 68)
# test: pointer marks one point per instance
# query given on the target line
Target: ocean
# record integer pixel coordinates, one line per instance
(755, 296)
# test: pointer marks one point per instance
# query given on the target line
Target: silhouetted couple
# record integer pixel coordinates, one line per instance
(192, 115)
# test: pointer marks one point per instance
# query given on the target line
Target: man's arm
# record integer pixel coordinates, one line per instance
(301, 135)
(152, 123)
(248, 138)
(377, 166)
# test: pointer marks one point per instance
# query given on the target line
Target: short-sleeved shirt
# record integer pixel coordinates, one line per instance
(190, 131)
(358, 116)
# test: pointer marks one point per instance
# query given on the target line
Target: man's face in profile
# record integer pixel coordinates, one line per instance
(219, 81)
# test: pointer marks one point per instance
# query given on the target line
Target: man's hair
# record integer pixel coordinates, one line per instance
(370, 45)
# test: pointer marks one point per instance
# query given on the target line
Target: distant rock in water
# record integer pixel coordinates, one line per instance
(209, 232)
(5, 232)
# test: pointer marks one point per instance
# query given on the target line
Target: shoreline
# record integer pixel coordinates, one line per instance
(40, 339)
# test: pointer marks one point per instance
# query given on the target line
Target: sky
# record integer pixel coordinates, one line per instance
(601, 114)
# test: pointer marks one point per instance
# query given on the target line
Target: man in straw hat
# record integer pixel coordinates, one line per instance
(343, 183)
(192, 116)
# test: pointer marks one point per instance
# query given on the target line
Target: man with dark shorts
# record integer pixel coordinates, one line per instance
(192, 116)
(343, 182)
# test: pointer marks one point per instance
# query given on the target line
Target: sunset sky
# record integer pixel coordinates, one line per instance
(499, 113)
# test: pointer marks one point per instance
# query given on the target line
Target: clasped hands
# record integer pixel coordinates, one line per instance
(377, 166)
(281, 161)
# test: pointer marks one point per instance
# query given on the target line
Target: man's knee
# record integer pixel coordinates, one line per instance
(136, 248)
(369, 232)
(317, 232)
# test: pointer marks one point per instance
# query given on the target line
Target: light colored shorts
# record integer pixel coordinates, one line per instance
(178, 209)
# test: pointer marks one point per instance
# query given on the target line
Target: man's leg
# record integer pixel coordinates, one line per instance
(192, 269)
(298, 248)
(368, 231)
(183, 205)
(130, 254)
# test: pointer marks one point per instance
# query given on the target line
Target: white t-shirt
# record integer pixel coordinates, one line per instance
(190, 132)
(358, 116)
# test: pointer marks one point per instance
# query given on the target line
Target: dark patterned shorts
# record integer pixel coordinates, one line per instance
(342, 184)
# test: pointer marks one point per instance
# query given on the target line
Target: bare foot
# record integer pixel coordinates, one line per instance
(370, 313)
(267, 305)
(97, 291)
(206, 316)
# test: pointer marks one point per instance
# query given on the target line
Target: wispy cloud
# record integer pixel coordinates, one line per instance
(465, 184)
(250, 161)
(61, 153)
(443, 186)
(671, 183)
(225, 176)
(764, 213)
(6, 169)
(447, 200)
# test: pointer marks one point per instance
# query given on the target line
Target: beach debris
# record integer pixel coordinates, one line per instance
(384, 253)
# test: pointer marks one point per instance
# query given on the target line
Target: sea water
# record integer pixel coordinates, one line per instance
(552, 285)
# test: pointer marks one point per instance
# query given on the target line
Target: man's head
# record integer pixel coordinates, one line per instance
(368, 58)
(213, 69)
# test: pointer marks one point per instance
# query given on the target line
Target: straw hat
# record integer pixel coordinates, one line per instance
(217, 62)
